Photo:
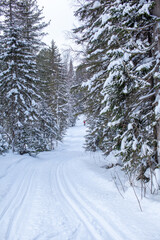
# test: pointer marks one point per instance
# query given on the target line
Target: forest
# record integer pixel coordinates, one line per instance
(36, 102)
(116, 86)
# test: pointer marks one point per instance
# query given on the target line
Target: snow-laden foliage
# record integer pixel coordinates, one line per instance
(53, 78)
(123, 63)
(36, 102)
(20, 39)
(4, 145)
(72, 96)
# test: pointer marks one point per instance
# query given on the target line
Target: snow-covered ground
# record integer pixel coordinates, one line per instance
(66, 195)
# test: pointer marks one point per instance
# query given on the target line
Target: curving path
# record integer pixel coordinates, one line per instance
(64, 195)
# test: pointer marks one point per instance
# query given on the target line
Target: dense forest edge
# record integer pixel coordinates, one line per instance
(36, 102)
(116, 86)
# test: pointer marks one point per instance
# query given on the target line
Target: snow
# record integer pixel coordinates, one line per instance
(144, 66)
(157, 108)
(105, 17)
(156, 179)
(109, 79)
(12, 91)
(89, 82)
(145, 148)
(126, 56)
(130, 126)
(127, 9)
(123, 143)
(112, 64)
(135, 143)
(66, 195)
(97, 33)
(114, 123)
(144, 9)
(96, 4)
(105, 109)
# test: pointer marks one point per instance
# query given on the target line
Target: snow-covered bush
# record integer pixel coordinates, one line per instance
(4, 145)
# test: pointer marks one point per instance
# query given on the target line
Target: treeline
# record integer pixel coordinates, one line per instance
(36, 102)
(122, 97)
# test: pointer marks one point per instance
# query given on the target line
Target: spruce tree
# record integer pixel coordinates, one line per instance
(47, 114)
(120, 38)
(94, 64)
(53, 76)
(22, 26)
(71, 82)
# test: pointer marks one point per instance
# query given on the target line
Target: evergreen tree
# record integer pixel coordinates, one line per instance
(95, 64)
(71, 81)
(46, 109)
(22, 26)
(61, 98)
(53, 83)
(121, 88)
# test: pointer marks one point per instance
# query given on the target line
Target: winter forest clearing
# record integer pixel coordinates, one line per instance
(64, 194)
(103, 94)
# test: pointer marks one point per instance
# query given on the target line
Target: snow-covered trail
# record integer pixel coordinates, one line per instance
(64, 195)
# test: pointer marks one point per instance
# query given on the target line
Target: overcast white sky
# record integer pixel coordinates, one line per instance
(60, 12)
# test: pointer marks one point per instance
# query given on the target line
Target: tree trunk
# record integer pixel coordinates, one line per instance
(156, 36)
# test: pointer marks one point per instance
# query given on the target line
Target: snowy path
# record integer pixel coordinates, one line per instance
(64, 195)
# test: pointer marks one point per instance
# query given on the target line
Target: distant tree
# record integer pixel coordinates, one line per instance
(72, 100)
(47, 112)
(53, 76)
(61, 101)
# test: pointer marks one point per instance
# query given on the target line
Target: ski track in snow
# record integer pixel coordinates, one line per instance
(10, 167)
(13, 206)
(62, 195)
(79, 209)
(18, 205)
(91, 219)
(97, 224)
